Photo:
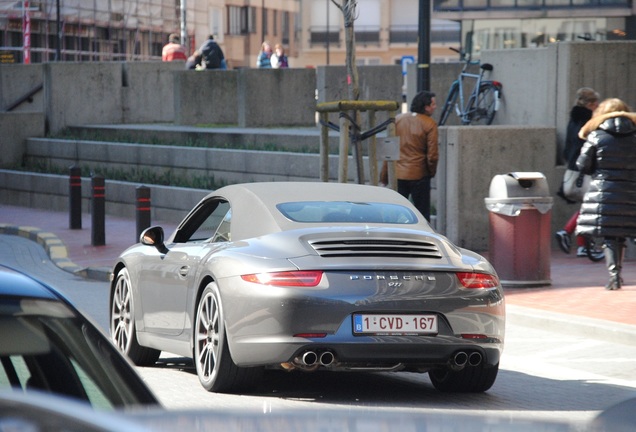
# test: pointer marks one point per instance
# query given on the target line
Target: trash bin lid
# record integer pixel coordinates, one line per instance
(519, 185)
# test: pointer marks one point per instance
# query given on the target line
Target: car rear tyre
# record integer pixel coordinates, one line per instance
(470, 379)
(122, 323)
(216, 370)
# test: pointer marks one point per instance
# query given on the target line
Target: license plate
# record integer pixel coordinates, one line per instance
(394, 324)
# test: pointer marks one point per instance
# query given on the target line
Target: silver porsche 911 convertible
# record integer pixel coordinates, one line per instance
(309, 276)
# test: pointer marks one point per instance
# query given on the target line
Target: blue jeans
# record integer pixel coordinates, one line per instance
(420, 192)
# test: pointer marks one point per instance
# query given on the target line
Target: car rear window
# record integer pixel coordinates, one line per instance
(347, 212)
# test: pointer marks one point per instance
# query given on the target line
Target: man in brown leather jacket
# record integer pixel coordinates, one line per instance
(418, 152)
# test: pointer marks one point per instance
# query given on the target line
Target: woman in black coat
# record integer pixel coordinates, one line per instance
(609, 206)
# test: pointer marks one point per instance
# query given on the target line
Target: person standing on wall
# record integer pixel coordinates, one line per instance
(419, 152)
(263, 61)
(173, 50)
(609, 205)
(587, 100)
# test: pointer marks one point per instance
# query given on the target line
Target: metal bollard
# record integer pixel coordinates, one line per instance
(143, 209)
(98, 233)
(75, 198)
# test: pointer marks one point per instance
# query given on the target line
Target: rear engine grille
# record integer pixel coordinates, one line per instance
(376, 248)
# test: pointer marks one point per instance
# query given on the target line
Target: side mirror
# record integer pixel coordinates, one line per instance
(153, 236)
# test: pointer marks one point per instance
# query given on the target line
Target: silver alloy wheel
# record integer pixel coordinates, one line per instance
(121, 323)
(208, 334)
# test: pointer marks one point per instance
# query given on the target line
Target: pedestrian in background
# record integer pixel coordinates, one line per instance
(173, 50)
(212, 55)
(609, 206)
(279, 58)
(263, 61)
(587, 100)
(419, 152)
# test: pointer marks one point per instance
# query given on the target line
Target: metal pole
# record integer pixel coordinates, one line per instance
(75, 198)
(143, 209)
(263, 20)
(424, 46)
(98, 213)
(184, 31)
(328, 34)
(58, 48)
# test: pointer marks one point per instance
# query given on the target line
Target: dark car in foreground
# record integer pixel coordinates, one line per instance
(308, 276)
(47, 345)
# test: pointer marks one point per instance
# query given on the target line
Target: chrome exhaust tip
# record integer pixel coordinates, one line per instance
(460, 359)
(327, 358)
(309, 358)
(474, 359)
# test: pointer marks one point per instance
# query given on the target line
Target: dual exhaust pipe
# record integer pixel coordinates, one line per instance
(311, 358)
(462, 359)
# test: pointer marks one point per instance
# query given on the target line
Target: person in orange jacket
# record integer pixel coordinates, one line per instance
(419, 152)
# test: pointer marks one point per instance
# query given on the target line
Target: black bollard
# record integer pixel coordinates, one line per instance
(98, 234)
(143, 209)
(75, 198)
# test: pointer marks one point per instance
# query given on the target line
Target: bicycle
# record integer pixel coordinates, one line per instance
(483, 102)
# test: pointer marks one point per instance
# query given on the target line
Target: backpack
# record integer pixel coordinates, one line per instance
(212, 55)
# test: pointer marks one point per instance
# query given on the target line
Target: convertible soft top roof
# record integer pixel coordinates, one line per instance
(254, 210)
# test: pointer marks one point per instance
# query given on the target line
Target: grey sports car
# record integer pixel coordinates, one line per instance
(308, 276)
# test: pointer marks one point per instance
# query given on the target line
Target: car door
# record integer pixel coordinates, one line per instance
(167, 280)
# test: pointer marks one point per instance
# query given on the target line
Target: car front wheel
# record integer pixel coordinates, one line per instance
(122, 323)
(216, 370)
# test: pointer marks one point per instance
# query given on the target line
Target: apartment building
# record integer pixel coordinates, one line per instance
(136, 30)
(386, 31)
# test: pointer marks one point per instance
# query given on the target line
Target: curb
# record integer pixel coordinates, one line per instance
(56, 250)
(593, 328)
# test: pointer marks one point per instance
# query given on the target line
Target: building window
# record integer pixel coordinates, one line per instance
(265, 30)
(234, 20)
(285, 28)
(275, 22)
(240, 20)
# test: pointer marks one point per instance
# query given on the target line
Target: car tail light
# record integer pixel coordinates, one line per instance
(286, 279)
(311, 335)
(477, 280)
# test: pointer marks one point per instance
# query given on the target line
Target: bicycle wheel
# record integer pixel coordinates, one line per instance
(449, 105)
(482, 111)
(594, 248)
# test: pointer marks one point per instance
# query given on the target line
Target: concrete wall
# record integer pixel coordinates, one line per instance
(276, 97)
(17, 80)
(148, 91)
(77, 95)
(108, 92)
(205, 97)
(51, 192)
(539, 85)
(15, 128)
(221, 165)
(470, 158)
(376, 83)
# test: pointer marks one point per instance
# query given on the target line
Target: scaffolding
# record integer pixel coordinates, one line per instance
(89, 30)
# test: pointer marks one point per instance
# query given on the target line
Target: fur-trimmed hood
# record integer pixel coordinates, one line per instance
(596, 122)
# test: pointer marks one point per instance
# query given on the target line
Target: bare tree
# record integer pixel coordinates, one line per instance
(349, 11)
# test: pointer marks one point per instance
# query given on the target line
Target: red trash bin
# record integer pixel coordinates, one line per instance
(520, 209)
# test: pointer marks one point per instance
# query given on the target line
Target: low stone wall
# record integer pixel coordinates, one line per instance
(15, 128)
(223, 165)
(48, 191)
(205, 97)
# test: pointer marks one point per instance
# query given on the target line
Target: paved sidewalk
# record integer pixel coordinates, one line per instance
(575, 301)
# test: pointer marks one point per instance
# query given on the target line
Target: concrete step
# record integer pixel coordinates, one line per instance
(303, 140)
